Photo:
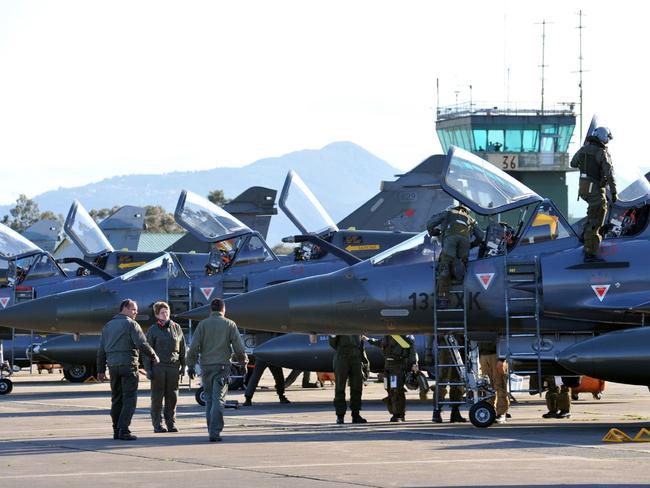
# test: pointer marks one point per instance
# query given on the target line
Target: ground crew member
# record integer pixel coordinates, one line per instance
(558, 400)
(214, 341)
(258, 371)
(497, 371)
(448, 375)
(167, 339)
(348, 360)
(399, 357)
(455, 226)
(119, 346)
(596, 173)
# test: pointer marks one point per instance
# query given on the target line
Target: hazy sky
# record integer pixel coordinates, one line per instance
(93, 89)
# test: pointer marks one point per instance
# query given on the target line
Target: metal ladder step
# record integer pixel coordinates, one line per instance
(523, 316)
(522, 299)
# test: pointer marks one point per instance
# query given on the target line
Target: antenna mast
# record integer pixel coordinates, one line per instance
(543, 65)
(580, 27)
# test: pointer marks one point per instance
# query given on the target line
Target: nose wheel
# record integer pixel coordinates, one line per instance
(6, 385)
(482, 414)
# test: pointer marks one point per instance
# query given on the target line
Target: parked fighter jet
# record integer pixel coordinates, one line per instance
(526, 283)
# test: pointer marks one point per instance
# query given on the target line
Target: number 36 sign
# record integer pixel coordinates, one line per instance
(506, 162)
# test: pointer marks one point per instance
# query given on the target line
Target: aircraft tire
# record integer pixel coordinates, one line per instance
(482, 414)
(574, 397)
(77, 373)
(199, 396)
(6, 385)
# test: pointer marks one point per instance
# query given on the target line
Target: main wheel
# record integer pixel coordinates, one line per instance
(482, 414)
(6, 385)
(237, 377)
(574, 397)
(199, 396)
(77, 373)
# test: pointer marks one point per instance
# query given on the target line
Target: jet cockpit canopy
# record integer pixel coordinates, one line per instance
(205, 220)
(303, 208)
(481, 186)
(85, 233)
(165, 266)
(13, 245)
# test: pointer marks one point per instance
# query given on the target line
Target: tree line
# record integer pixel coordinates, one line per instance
(156, 219)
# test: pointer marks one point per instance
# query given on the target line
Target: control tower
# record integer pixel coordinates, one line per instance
(529, 144)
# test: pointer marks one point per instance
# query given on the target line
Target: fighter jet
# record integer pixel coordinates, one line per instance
(527, 284)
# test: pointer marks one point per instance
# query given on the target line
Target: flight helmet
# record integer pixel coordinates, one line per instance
(603, 134)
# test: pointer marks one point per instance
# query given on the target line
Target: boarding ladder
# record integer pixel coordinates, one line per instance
(450, 334)
(522, 313)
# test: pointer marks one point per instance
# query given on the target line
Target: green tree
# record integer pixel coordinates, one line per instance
(218, 198)
(24, 214)
(156, 219)
(49, 215)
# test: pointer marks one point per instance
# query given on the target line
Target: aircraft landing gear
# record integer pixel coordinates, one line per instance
(199, 396)
(482, 414)
(78, 373)
(6, 385)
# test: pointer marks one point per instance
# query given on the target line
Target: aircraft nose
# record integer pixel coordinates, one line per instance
(38, 314)
(264, 309)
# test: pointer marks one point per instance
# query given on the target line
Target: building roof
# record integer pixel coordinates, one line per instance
(154, 242)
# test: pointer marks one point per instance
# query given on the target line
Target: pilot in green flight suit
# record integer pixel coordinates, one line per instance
(348, 360)
(596, 172)
(558, 400)
(456, 227)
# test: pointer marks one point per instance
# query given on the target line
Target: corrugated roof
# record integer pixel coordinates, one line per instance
(155, 242)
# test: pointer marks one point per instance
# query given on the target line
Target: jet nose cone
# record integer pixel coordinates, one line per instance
(38, 314)
(198, 313)
(264, 309)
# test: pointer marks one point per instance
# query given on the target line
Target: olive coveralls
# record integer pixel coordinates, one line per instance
(596, 173)
(348, 360)
(456, 225)
(168, 341)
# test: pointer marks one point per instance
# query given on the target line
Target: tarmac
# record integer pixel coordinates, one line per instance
(57, 434)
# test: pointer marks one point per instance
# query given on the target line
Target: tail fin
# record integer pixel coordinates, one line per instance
(123, 228)
(405, 204)
(44, 233)
(254, 207)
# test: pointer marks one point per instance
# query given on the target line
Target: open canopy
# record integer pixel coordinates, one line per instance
(481, 186)
(205, 220)
(13, 245)
(303, 208)
(84, 232)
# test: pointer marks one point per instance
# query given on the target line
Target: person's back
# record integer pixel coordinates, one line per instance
(214, 341)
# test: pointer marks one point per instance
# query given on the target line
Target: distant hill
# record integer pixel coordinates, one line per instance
(342, 175)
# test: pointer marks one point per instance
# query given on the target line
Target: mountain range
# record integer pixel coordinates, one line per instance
(342, 175)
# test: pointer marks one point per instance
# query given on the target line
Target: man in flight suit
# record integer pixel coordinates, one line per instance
(455, 226)
(215, 340)
(119, 346)
(348, 360)
(596, 173)
(558, 400)
(399, 357)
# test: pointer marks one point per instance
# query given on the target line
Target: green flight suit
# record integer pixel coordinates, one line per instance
(398, 361)
(169, 343)
(456, 227)
(215, 340)
(596, 173)
(558, 398)
(348, 360)
(119, 346)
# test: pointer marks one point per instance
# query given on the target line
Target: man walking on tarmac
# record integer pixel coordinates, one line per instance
(119, 346)
(596, 173)
(348, 365)
(455, 226)
(214, 340)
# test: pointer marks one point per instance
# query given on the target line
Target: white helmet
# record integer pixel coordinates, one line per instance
(603, 134)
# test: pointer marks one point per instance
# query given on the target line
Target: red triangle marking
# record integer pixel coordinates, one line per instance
(600, 291)
(4, 301)
(485, 279)
(207, 292)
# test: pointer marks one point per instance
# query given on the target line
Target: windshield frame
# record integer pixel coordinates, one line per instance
(416, 240)
(527, 196)
(77, 210)
(216, 213)
(153, 264)
(293, 180)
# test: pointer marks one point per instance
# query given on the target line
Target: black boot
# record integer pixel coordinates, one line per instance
(550, 415)
(592, 258)
(394, 418)
(563, 414)
(340, 419)
(248, 402)
(437, 418)
(125, 435)
(456, 416)
(358, 419)
(284, 399)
